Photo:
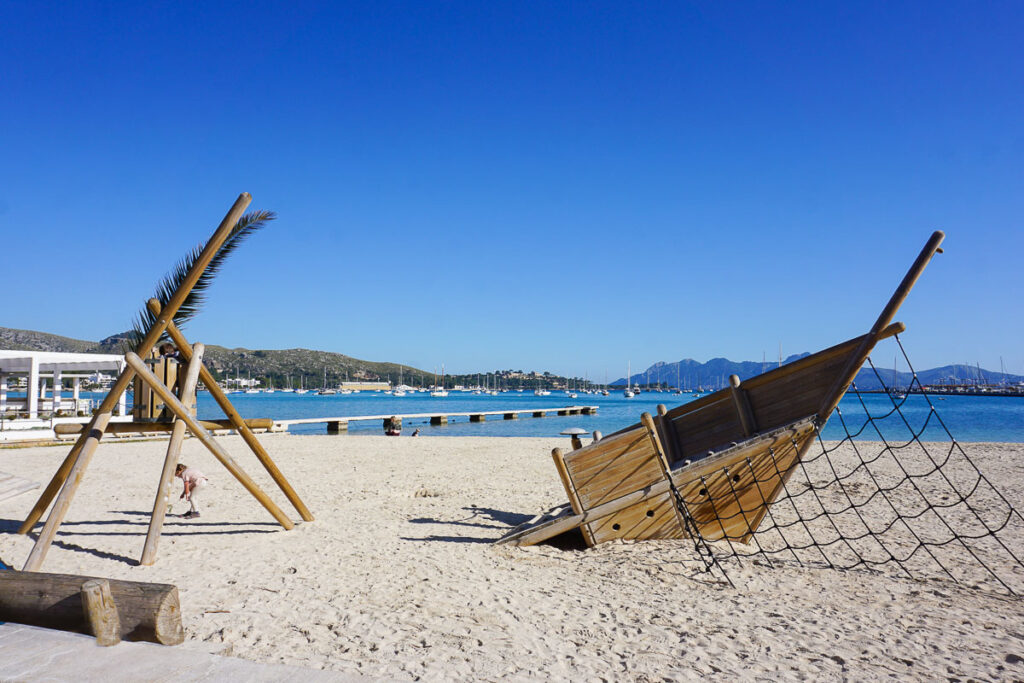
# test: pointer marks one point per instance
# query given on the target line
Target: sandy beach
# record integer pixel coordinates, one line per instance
(398, 577)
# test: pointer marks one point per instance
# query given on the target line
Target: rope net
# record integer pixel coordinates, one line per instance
(866, 500)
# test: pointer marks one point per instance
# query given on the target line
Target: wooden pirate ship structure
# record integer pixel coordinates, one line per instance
(163, 402)
(711, 468)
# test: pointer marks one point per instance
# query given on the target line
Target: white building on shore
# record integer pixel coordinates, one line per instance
(42, 370)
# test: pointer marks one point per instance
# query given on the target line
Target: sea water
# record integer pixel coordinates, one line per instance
(969, 418)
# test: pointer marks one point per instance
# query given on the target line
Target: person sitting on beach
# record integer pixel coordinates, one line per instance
(416, 432)
(194, 481)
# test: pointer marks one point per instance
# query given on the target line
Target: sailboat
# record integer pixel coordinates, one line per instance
(400, 389)
(325, 391)
(439, 392)
(628, 391)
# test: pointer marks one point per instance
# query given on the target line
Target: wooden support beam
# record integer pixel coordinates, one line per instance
(742, 402)
(539, 413)
(439, 420)
(477, 418)
(118, 428)
(337, 427)
(511, 416)
(174, 405)
(163, 489)
(146, 611)
(238, 423)
(101, 612)
(666, 468)
(87, 442)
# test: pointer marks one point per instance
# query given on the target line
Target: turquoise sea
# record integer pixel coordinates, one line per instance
(969, 418)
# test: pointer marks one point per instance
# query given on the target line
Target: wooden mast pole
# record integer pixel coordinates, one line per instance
(175, 406)
(236, 420)
(834, 395)
(163, 489)
(68, 478)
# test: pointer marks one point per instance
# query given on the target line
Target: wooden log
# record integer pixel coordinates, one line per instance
(119, 428)
(174, 405)
(101, 612)
(163, 489)
(146, 611)
(241, 425)
(87, 443)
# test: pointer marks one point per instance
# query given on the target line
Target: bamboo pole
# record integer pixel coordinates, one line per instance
(163, 490)
(175, 406)
(87, 443)
(236, 420)
(835, 394)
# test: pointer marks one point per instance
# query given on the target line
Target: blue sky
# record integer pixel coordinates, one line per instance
(552, 186)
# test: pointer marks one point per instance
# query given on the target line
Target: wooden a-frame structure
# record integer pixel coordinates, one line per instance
(69, 475)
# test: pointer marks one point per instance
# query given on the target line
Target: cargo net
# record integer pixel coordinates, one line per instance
(921, 506)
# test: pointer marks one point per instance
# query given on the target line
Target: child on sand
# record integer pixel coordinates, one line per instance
(194, 481)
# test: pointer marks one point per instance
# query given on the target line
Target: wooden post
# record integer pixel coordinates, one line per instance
(666, 469)
(337, 427)
(101, 612)
(86, 444)
(246, 433)
(163, 489)
(477, 418)
(439, 420)
(511, 416)
(739, 398)
(174, 405)
(146, 611)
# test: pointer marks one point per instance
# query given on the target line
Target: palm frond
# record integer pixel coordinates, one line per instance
(144, 320)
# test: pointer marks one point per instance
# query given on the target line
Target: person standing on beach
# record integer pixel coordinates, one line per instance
(194, 481)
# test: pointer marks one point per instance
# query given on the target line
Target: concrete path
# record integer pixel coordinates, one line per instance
(28, 653)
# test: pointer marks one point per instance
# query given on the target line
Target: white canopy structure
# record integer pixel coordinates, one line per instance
(39, 365)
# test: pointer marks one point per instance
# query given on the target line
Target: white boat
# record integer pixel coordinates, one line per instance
(541, 392)
(627, 392)
(439, 391)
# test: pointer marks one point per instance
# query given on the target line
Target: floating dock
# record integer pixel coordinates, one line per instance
(337, 425)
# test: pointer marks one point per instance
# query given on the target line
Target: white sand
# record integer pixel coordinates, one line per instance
(397, 578)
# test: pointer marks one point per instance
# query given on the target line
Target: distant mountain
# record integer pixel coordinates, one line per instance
(715, 374)
(275, 365)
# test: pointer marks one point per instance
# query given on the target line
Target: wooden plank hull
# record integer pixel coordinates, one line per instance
(726, 494)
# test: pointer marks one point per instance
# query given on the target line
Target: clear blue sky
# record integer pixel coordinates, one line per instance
(551, 186)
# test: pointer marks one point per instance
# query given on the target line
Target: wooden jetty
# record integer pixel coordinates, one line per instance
(337, 425)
